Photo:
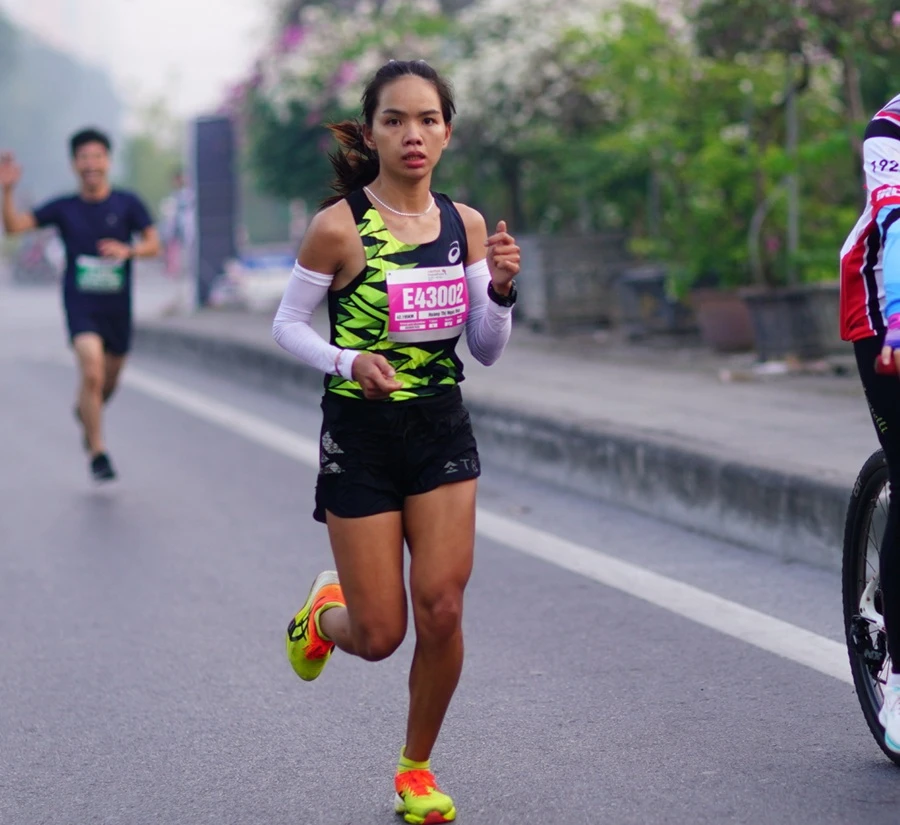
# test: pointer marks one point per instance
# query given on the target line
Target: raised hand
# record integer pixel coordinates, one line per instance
(503, 256)
(10, 171)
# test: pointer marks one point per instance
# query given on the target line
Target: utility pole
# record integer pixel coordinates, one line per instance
(792, 182)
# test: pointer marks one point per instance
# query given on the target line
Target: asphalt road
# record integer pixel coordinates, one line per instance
(143, 678)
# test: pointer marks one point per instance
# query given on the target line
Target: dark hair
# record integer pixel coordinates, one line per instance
(86, 136)
(355, 164)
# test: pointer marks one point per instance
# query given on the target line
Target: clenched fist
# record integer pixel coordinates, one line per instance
(503, 256)
(375, 375)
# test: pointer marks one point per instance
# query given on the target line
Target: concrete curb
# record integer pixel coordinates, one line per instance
(791, 516)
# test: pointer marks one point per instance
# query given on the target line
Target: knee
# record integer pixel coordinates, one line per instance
(92, 378)
(377, 642)
(439, 617)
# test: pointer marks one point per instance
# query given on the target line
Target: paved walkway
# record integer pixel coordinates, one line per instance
(810, 424)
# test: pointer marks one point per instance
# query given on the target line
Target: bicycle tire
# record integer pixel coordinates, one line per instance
(866, 650)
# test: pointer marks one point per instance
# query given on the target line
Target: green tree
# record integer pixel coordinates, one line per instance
(692, 155)
(615, 115)
(860, 34)
(853, 40)
(288, 154)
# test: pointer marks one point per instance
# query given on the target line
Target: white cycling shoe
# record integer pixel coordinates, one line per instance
(889, 717)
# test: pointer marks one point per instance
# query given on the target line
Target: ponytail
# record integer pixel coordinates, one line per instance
(355, 164)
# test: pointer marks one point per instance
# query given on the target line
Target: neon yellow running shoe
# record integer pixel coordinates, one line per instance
(419, 799)
(307, 650)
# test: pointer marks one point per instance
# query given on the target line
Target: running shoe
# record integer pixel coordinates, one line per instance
(307, 651)
(889, 717)
(420, 800)
(101, 468)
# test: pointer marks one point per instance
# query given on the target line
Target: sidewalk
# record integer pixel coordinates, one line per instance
(765, 461)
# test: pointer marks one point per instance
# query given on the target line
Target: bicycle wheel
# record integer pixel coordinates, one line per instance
(863, 622)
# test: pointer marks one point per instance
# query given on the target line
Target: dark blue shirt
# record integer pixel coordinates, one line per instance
(92, 283)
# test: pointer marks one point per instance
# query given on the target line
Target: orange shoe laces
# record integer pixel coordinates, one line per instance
(319, 647)
(417, 782)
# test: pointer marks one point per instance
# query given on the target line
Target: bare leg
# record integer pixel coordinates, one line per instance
(113, 365)
(440, 529)
(89, 352)
(368, 553)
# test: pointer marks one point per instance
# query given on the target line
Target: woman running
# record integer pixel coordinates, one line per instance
(406, 271)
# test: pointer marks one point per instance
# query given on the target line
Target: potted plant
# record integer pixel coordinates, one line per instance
(794, 302)
(723, 317)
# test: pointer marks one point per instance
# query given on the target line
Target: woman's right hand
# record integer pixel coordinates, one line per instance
(375, 375)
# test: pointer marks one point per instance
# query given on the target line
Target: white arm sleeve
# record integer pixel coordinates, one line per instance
(292, 331)
(489, 325)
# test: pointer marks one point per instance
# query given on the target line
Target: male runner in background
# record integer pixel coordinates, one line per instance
(97, 226)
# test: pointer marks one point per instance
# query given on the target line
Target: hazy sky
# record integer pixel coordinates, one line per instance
(190, 50)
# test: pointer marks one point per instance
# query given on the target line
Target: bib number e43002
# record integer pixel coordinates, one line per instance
(427, 303)
(433, 297)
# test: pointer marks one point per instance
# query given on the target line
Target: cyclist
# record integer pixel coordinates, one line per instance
(97, 226)
(870, 318)
(406, 271)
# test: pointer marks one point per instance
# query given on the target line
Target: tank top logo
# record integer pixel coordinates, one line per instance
(453, 255)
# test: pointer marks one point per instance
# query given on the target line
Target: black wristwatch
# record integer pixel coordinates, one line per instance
(503, 300)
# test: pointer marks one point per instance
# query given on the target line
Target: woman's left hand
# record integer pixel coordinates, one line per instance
(503, 256)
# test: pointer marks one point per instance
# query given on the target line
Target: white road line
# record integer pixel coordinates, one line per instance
(724, 616)
(252, 427)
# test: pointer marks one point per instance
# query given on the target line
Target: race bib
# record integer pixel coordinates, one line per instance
(427, 303)
(98, 274)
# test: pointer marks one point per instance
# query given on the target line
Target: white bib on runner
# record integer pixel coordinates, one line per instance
(93, 274)
(427, 303)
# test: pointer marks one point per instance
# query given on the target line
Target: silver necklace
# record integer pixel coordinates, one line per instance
(397, 211)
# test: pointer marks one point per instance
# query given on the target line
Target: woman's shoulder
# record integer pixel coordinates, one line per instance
(472, 219)
(332, 223)
(326, 243)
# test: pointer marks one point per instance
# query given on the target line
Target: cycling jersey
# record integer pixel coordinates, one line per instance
(869, 288)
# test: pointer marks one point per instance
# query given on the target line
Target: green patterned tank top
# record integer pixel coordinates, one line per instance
(359, 313)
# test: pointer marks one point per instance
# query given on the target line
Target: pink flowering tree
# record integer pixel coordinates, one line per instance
(662, 118)
(313, 75)
(529, 99)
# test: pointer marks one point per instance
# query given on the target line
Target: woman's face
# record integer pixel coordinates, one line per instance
(408, 129)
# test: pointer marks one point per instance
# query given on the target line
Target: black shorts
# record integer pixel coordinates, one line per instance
(883, 396)
(114, 328)
(373, 454)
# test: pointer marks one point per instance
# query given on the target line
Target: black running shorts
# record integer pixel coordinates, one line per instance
(373, 454)
(114, 328)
